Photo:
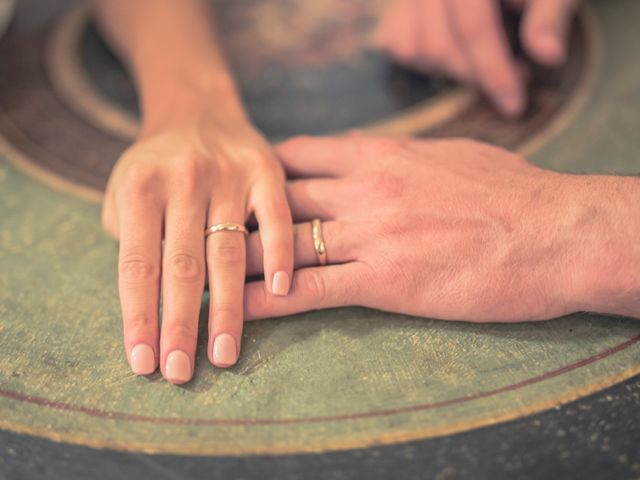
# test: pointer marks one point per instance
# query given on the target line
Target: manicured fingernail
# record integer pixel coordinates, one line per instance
(224, 350)
(178, 367)
(143, 361)
(281, 284)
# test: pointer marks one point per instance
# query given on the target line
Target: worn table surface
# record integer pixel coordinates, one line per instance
(327, 392)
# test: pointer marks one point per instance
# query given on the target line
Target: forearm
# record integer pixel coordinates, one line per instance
(173, 53)
(607, 244)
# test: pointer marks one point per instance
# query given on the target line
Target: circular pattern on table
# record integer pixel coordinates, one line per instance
(319, 381)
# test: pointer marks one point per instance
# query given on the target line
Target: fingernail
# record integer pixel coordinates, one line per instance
(143, 360)
(281, 284)
(178, 367)
(224, 350)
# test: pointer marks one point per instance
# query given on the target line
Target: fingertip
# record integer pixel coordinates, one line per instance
(547, 48)
(142, 359)
(544, 39)
(277, 239)
(511, 104)
(281, 284)
(178, 368)
(508, 93)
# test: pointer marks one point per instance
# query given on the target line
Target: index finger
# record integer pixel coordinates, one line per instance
(482, 38)
(545, 29)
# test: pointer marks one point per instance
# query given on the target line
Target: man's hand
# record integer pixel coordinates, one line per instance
(465, 39)
(453, 229)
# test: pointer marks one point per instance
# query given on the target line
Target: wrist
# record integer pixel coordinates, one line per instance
(182, 95)
(604, 214)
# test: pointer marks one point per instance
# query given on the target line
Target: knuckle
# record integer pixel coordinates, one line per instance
(227, 250)
(181, 331)
(226, 316)
(254, 156)
(385, 185)
(188, 174)
(226, 310)
(185, 267)
(136, 268)
(138, 322)
(228, 177)
(391, 227)
(142, 180)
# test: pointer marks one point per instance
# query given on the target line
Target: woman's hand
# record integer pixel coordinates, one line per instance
(194, 170)
(466, 39)
(453, 229)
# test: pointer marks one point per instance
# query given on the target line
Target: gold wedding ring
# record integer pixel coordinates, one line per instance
(225, 227)
(318, 241)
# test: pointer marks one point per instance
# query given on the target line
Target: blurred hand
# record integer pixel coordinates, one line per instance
(173, 182)
(466, 39)
(452, 229)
